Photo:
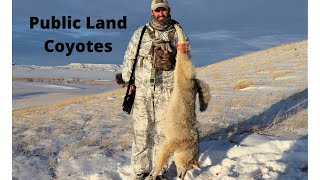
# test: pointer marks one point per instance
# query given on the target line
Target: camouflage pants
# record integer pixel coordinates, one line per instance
(148, 114)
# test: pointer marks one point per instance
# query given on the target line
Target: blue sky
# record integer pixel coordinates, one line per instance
(218, 29)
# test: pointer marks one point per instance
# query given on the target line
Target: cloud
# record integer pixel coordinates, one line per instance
(214, 35)
(263, 42)
(20, 33)
(80, 33)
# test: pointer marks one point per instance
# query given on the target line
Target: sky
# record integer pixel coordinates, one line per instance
(218, 30)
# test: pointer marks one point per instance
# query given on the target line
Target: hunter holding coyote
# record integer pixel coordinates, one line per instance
(149, 65)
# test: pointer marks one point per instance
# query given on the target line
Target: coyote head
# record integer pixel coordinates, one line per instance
(182, 167)
(185, 160)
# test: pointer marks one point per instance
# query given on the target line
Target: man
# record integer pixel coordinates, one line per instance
(153, 76)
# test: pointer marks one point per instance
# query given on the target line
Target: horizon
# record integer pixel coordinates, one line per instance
(89, 63)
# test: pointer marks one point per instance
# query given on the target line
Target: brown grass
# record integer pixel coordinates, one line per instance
(31, 139)
(126, 140)
(297, 64)
(297, 53)
(270, 98)
(67, 151)
(62, 80)
(239, 101)
(244, 83)
(217, 76)
(27, 111)
(288, 124)
(201, 68)
(51, 162)
(280, 73)
(31, 79)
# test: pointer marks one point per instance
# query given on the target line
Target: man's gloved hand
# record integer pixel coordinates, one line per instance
(182, 47)
(119, 79)
(159, 43)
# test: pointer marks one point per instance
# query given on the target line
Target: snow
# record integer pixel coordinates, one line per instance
(253, 157)
(90, 137)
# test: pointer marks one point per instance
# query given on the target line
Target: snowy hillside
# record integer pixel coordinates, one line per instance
(255, 126)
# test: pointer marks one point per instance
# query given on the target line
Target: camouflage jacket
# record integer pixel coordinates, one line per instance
(144, 65)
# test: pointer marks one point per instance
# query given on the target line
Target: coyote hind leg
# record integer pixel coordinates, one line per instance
(162, 158)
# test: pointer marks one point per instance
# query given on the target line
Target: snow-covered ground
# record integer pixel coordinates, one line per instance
(255, 126)
(250, 156)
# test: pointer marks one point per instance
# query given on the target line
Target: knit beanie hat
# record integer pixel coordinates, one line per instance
(159, 3)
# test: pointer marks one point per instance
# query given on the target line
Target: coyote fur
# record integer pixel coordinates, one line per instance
(181, 135)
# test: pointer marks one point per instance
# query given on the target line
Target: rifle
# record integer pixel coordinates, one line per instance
(129, 98)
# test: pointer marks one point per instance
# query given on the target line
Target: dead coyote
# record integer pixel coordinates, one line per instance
(181, 135)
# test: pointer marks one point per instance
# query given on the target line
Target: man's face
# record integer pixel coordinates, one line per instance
(161, 13)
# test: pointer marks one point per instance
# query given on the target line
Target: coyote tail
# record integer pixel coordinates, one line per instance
(204, 94)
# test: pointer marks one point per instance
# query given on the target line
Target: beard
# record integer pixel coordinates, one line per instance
(160, 24)
(161, 18)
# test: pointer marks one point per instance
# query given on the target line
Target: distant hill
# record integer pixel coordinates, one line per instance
(70, 71)
(103, 67)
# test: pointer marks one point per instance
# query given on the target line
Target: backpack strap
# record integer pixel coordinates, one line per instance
(151, 33)
(171, 37)
(152, 36)
(138, 49)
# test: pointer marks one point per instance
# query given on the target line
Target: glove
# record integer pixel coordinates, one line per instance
(119, 79)
(182, 47)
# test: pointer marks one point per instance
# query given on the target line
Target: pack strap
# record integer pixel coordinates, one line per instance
(138, 49)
